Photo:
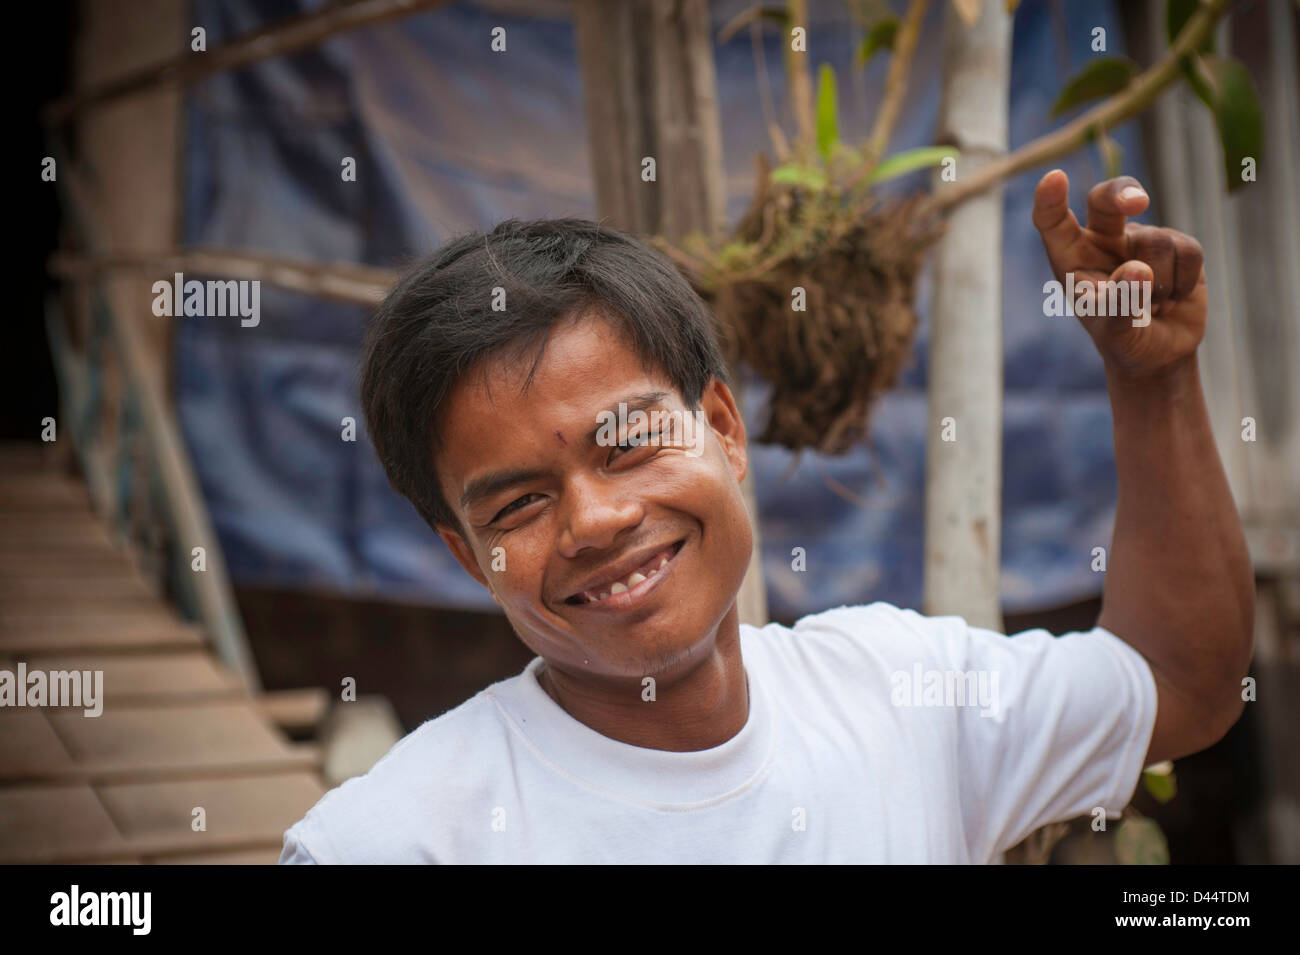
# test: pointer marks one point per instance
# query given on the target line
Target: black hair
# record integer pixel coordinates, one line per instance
(439, 322)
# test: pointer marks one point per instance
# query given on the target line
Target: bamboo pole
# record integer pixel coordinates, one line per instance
(182, 496)
(336, 281)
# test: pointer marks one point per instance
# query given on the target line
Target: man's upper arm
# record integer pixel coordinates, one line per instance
(1074, 720)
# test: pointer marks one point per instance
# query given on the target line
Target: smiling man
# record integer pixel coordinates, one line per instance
(653, 726)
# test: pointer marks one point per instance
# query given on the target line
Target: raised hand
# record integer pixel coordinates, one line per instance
(1108, 249)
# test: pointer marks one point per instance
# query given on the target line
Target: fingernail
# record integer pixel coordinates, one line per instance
(1132, 192)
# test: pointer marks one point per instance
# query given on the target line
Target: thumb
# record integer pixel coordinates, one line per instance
(1052, 217)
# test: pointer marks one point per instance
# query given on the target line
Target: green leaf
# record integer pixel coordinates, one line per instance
(1162, 786)
(880, 37)
(828, 126)
(797, 175)
(1141, 842)
(1238, 116)
(1101, 78)
(1177, 13)
(900, 164)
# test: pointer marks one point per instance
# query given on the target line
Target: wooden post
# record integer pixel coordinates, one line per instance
(963, 480)
(650, 90)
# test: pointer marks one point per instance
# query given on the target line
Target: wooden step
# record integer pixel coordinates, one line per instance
(34, 610)
(118, 588)
(244, 816)
(71, 566)
(42, 494)
(153, 742)
(126, 640)
(249, 810)
(28, 742)
(54, 533)
(43, 824)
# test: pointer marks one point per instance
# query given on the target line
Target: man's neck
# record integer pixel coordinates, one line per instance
(700, 709)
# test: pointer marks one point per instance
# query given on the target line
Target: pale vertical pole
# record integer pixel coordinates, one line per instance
(963, 479)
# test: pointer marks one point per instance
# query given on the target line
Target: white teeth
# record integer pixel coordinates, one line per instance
(620, 587)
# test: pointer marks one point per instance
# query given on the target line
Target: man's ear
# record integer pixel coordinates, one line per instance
(464, 556)
(724, 418)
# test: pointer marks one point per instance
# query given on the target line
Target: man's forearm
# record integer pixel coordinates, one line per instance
(1179, 583)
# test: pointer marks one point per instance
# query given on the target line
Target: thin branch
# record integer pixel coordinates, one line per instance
(1133, 99)
(779, 145)
(895, 85)
(799, 77)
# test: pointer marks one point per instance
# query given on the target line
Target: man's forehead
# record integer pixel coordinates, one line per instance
(583, 362)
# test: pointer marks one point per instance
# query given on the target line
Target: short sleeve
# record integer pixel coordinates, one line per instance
(294, 852)
(1067, 733)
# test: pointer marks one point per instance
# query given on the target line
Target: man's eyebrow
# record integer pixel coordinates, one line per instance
(633, 403)
(497, 481)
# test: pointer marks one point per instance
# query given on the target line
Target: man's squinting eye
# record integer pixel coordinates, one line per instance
(512, 507)
(635, 441)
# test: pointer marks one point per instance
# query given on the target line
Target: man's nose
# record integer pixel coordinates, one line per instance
(596, 511)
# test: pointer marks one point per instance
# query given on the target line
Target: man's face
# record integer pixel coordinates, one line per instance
(583, 512)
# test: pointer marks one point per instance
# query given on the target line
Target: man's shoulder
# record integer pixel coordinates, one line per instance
(440, 764)
(852, 634)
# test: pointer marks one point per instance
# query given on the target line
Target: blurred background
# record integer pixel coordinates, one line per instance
(321, 618)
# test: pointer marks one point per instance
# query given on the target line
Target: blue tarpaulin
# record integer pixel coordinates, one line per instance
(449, 136)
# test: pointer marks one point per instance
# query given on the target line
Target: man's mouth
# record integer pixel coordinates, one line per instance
(632, 585)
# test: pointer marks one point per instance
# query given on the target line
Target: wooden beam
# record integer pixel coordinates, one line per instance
(337, 281)
(288, 36)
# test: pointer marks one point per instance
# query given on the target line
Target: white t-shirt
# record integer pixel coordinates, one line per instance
(857, 749)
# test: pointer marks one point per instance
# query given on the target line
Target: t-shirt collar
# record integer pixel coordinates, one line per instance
(636, 773)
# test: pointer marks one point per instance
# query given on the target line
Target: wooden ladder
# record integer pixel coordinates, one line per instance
(178, 730)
